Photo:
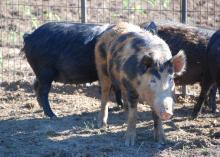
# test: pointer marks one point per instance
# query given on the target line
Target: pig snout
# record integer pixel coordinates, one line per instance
(165, 115)
(164, 108)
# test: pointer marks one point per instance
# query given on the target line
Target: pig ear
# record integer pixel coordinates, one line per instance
(147, 61)
(152, 27)
(179, 62)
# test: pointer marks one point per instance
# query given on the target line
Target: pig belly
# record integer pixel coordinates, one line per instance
(77, 77)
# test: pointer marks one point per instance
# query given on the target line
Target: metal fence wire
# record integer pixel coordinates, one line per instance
(20, 16)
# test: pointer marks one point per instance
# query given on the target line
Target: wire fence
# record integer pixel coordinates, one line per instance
(20, 16)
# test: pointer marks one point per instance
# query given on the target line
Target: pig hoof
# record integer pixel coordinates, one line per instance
(214, 111)
(130, 140)
(51, 115)
(102, 125)
(117, 108)
(161, 140)
(125, 107)
(160, 145)
(54, 117)
(194, 116)
(160, 137)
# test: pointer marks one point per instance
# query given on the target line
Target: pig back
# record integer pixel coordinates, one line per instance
(194, 42)
(67, 48)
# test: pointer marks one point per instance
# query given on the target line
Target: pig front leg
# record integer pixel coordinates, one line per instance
(212, 98)
(131, 128)
(205, 87)
(159, 135)
(132, 120)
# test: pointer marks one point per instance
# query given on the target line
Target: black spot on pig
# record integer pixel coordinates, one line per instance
(155, 73)
(118, 49)
(130, 67)
(126, 36)
(104, 69)
(120, 40)
(102, 50)
(145, 63)
(118, 63)
(137, 43)
(131, 93)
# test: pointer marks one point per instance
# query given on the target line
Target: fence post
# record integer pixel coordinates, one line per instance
(184, 20)
(84, 11)
(184, 11)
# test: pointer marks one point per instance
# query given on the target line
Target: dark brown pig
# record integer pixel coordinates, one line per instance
(212, 69)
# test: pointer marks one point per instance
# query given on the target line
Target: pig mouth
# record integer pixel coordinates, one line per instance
(165, 116)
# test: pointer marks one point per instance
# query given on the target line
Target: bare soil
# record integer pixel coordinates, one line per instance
(26, 132)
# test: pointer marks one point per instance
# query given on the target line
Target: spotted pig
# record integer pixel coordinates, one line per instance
(141, 66)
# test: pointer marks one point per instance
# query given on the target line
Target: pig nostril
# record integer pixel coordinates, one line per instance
(165, 116)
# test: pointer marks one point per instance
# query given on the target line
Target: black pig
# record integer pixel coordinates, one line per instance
(62, 52)
(212, 70)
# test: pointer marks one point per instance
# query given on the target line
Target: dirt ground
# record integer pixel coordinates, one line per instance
(26, 132)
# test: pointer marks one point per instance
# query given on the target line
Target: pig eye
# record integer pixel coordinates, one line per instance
(153, 81)
(170, 80)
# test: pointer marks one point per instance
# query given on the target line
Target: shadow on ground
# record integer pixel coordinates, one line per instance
(77, 135)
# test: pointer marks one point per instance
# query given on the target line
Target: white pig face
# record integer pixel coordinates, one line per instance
(157, 84)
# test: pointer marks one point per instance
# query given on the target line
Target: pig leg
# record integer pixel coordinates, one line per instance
(159, 135)
(205, 86)
(212, 98)
(118, 98)
(210, 101)
(36, 89)
(206, 103)
(218, 85)
(132, 101)
(42, 87)
(105, 90)
(131, 129)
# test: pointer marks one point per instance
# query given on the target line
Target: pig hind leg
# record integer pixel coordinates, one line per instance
(118, 97)
(42, 87)
(36, 90)
(103, 114)
(105, 83)
(205, 87)
(212, 98)
(218, 85)
(210, 101)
